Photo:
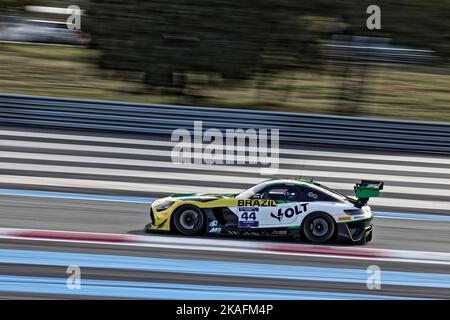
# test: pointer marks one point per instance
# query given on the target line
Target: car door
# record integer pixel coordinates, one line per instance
(288, 210)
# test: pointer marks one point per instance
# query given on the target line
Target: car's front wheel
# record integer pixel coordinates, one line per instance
(319, 227)
(188, 220)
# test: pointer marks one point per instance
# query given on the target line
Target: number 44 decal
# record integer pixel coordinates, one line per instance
(248, 216)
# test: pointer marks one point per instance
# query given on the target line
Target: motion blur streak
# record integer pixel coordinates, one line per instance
(42, 194)
(101, 163)
(216, 268)
(154, 290)
(336, 80)
(27, 193)
(50, 179)
(397, 215)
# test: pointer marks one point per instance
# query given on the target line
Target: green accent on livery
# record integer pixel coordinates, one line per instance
(309, 181)
(293, 227)
(180, 195)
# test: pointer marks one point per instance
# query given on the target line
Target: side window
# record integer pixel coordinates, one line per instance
(310, 195)
(281, 192)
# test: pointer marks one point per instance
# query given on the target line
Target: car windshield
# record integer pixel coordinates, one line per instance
(250, 192)
(247, 194)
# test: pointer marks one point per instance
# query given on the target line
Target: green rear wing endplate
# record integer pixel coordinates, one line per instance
(367, 189)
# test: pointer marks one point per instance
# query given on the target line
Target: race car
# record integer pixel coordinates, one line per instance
(301, 208)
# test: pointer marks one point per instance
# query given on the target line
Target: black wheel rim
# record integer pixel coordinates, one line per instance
(319, 227)
(189, 219)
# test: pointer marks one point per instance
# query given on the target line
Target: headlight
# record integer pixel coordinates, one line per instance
(164, 206)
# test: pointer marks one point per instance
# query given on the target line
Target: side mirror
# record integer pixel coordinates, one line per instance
(256, 196)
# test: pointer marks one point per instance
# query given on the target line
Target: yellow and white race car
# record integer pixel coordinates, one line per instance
(300, 208)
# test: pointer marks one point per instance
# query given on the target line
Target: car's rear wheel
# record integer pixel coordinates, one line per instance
(319, 227)
(188, 220)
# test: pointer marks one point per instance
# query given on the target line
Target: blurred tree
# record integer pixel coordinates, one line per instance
(165, 39)
(13, 6)
(162, 38)
(409, 23)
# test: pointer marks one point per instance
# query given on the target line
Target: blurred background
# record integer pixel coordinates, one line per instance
(88, 171)
(314, 56)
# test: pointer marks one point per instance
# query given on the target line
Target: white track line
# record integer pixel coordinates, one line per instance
(164, 188)
(113, 185)
(438, 159)
(164, 153)
(223, 168)
(194, 177)
(226, 245)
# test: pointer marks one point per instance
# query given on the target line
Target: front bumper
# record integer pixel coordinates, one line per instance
(355, 231)
(157, 223)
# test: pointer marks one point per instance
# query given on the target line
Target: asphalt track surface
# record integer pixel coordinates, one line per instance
(123, 218)
(126, 165)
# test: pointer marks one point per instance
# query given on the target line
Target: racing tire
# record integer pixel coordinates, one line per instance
(319, 227)
(188, 220)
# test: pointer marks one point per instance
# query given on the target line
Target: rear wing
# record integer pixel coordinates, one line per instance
(367, 189)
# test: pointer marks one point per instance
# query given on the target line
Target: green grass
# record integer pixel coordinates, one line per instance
(399, 91)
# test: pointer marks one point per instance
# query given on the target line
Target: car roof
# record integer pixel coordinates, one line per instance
(296, 181)
(301, 182)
